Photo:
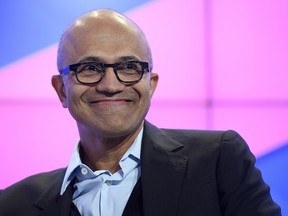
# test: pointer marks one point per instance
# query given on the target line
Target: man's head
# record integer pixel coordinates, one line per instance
(109, 108)
(107, 16)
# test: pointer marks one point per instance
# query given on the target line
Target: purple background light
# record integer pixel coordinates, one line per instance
(222, 65)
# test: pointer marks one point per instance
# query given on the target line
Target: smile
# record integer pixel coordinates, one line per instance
(111, 101)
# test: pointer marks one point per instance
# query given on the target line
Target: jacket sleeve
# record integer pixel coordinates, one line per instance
(242, 190)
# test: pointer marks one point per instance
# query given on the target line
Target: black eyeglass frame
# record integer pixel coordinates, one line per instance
(74, 67)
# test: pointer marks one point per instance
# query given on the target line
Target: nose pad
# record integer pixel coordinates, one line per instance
(109, 75)
(109, 82)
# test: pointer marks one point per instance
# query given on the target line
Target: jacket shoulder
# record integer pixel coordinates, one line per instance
(39, 181)
(201, 141)
(27, 191)
(196, 134)
(204, 138)
(210, 146)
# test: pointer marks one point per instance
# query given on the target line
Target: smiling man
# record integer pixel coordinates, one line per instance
(124, 165)
(109, 89)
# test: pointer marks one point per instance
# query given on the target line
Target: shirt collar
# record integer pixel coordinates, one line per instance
(134, 151)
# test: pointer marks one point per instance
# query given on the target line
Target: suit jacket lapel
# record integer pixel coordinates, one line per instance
(52, 203)
(162, 172)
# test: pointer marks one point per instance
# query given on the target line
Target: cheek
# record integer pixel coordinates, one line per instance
(149, 90)
(145, 95)
(74, 94)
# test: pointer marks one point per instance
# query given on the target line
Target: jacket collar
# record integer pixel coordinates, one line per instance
(162, 172)
(52, 203)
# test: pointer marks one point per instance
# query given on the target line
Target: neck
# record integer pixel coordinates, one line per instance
(102, 153)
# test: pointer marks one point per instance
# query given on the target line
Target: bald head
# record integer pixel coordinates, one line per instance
(100, 27)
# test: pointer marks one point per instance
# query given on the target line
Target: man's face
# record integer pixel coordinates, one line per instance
(108, 108)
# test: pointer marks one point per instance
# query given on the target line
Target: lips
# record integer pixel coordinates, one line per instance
(121, 98)
(110, 101)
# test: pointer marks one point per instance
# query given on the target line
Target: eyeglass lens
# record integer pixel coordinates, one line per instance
(93, 72)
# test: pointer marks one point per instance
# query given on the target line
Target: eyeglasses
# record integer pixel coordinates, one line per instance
(129, 72)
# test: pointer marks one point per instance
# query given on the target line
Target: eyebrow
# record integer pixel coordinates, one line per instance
(89, 59)
(129, 58)
(98, 59)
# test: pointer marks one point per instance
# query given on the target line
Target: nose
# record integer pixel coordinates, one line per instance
(109, 83)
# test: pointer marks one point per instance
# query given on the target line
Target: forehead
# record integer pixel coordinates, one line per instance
(108, 38)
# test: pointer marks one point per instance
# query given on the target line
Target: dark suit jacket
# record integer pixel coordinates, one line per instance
(183, 172)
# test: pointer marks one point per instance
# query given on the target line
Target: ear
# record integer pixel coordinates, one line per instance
(153, 82)
(58, 85)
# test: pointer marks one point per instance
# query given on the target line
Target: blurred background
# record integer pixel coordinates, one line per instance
(222, 65)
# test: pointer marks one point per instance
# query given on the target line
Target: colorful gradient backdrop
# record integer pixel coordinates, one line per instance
(222, 65)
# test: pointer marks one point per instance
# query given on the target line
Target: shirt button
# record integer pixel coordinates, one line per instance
(108, 182)
(84, 171)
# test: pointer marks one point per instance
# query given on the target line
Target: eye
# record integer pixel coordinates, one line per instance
(90, 67)
(133, 66)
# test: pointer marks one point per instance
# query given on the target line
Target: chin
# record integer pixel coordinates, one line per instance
(119, 130)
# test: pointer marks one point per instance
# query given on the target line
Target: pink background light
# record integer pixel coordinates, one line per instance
(222, 65)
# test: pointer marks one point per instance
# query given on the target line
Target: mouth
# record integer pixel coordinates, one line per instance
(117, 101)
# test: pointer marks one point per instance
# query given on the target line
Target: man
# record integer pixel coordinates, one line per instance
(123, 165)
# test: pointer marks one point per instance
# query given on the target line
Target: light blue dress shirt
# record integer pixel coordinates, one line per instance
(102, 193)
